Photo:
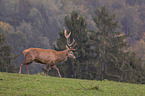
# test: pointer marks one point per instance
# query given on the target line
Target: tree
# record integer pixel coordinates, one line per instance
(131, 24)
(77, 26)
(6, 55)
(139, 49)
(110, 42)
(116, 62)
(38, 23)
(133, 2)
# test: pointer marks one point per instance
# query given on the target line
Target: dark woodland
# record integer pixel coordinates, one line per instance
(109, 35)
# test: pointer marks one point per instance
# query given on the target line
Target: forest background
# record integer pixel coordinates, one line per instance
(38, 23)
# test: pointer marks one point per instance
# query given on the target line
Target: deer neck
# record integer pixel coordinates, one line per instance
(62, 56)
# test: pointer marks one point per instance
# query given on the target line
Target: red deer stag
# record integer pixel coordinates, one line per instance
(48, 56)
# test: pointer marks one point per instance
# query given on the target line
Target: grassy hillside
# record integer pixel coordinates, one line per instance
(12, 84)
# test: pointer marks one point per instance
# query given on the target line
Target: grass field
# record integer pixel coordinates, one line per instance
(12, 84)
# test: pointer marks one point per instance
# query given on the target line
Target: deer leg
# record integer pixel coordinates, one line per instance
(54, 66)
(25, 62)
(20, 68)
(47, 68)
(27, 68)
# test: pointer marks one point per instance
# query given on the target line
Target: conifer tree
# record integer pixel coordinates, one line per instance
(114, 59)
(110, 42)
(77, 26)
(6, 55)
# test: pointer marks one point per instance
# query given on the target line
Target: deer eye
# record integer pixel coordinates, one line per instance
(71, 53)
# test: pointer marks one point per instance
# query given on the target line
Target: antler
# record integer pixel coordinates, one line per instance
(68, 46)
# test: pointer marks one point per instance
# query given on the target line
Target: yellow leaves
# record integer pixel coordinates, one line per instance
(139, 49)
(5, 27)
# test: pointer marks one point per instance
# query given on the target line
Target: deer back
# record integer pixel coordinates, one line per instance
(45, 55)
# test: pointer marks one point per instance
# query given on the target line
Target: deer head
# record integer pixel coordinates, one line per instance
(69, 46)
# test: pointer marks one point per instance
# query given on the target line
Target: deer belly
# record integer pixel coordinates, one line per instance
(40, 61)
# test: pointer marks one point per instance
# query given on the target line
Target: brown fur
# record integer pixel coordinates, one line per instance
(48, 56)
(45, 56)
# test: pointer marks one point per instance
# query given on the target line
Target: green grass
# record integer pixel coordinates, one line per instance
(13, 84)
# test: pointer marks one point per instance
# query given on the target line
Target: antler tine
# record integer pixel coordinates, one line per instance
(69, 45)
(74, 46)
(74, 49)
(72, 43)
(67, 36)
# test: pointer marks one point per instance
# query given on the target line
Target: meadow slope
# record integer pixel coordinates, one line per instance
(13, 84)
